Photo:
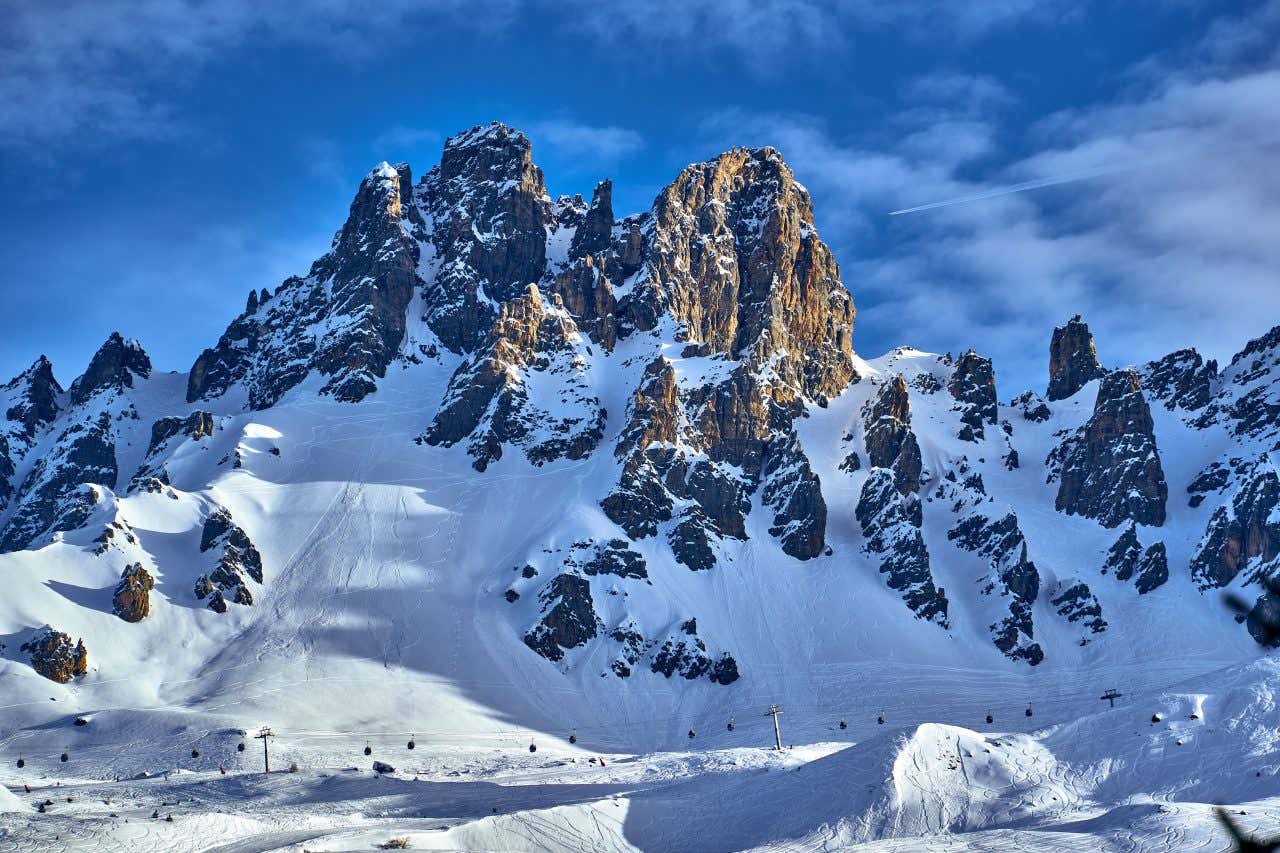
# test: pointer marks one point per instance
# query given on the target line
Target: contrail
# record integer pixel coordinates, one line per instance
(1039, 183)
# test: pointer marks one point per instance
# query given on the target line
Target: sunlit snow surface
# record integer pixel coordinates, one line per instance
(382, 618)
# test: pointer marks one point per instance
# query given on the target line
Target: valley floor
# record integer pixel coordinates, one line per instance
(1106, 779)
(717, 800)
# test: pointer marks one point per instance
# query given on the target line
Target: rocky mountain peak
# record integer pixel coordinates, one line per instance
(33, 397)
(1073, 360)
(736, 259)
(113, 367)
(489, 152)
(491, 215)
(533, 342)
(346, 319)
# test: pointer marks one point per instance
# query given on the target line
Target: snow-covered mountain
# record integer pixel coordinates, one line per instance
(506, 461)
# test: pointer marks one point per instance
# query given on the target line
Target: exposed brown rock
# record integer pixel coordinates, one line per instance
(1110, 469)
(595, 232)
(54, 656)
(486, 184)
(1073, 361)
(487, 401)
(889, 439)
(735, 257)
(132, 599)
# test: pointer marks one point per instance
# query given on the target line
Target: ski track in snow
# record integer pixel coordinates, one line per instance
(381, 618)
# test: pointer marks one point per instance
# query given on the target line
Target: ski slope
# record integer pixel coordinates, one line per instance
(382, 619)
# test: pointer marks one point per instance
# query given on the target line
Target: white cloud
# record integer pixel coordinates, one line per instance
(90, 70)
(758, 29)
(1176, 245)
(590, 145)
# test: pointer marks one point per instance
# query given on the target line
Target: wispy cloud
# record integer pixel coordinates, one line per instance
(759, 29)
(1178, 225)
(87, 70)
(591, 146)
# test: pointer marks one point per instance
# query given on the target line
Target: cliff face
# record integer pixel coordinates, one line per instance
(1111, 467)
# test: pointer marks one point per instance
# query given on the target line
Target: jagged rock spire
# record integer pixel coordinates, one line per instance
(491, 212)
(1111, 468)
(33, 397)
(357, 296)
(596, 230)
(973, 385)
(890, 441)
(735, 257)
(1073, 361)
(113, 367)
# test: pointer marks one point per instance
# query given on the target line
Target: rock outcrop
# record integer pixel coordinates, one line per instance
(1073, 361)
(238, 563)
(32, 398)
(1110, 469)
(890, 442)
(344, 320)
(132, 598)
(56, 657)
(1248, 397)
(1127, 560)
(58, 494)
(568, 618)
(491, 215)
(890, 523)
(166, 434)
(1012, 576)
(1243, 533)
(677, 651)
(112, 368)
(28, 404)
(1075, 602)
(1032, 406)
(500, 395)
(1180, 380)
(973, 385)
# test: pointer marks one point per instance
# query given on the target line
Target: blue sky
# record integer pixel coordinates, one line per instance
(159, 158)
